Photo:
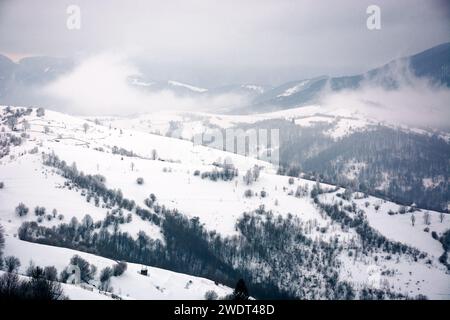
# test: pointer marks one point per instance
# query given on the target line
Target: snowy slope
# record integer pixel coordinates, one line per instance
(159, 284)
(343, 120)
(218, 204)
(187, 86)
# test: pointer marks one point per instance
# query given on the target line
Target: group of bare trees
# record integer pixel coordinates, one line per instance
(427, 218)
(41, 283)
(252, 175)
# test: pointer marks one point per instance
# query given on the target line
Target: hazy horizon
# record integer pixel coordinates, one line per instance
(261, 82)
(212, 44)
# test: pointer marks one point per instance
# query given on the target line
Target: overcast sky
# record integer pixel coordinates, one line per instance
(213, 43)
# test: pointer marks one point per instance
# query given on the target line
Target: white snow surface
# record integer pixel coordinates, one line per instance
(188, 86)
(292, 90)
(170, 177)
(159, 284)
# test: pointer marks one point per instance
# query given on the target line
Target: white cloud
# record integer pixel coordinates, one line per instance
(233, 41)
(99, 85)
(416, 102)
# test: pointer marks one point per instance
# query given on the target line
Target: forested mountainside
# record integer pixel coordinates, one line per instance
(400, 165)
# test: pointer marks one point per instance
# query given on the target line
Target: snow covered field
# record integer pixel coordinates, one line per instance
(343, 120)
(217, 204)
(159, 284)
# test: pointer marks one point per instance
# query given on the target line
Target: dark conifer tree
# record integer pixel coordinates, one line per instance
(240, 292)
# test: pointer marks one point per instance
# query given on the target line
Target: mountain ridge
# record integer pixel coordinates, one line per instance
(17, 80)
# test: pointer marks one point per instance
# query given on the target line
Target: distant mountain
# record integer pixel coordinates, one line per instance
(40, 70)
(183, 89)
(7, 68)
(254, 90)
(289, 94)
(179, 88)
(433, 64)
(18, 79)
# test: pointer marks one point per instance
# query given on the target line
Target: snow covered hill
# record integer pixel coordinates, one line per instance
(361, 244)
(158, 284)
(341, 120)
(344, 120)
(344, 143)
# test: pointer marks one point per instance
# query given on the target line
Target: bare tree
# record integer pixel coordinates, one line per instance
(248, 177)
(40, 112)
(256, 172)
(105, 276)
(12, 264)
(12, 122)
(85, 127)
(154, 154)
(21, 210)
(25, 125)
(426, 218)
(2, 243)
(211, 295)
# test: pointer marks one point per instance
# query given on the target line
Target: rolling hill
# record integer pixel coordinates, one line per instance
(190, 213)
